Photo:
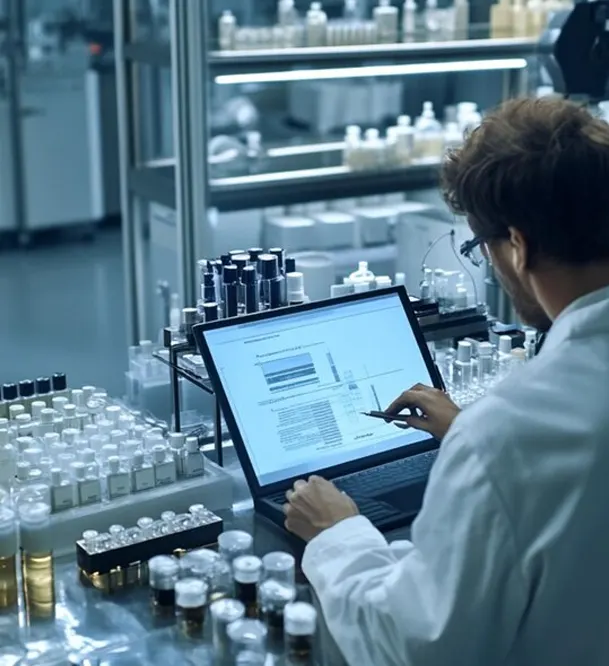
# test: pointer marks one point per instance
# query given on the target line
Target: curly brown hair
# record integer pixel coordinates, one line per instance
(541, 166)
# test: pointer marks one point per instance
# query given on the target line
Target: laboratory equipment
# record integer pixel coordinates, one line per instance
(300, 620)
(247, 570)
(190, 604)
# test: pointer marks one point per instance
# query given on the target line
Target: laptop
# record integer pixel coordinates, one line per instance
(293, 384)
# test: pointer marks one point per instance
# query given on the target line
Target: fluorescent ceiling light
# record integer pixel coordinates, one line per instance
(305, 149)
(373, 70)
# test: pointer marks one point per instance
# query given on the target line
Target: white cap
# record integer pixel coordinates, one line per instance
(519, 353)
(112, 413)
(295, 287)
(530, 336)
(300, 619)
(137, 459)
(404, 121)
(78, 397)
(98, 441)
(23, 419)
(191, 593)
(126, 421)
(69, 410)
(108, 451)
(485, 349)
(505, 344)
(372, 134)
(234, 541)
(105, 426)
(15, 410)
(464, 351)
(247, 569)
(79, 470)
(278, 562)
(88, 391)
(192, 444)
(23, 470)
(114, 464)
(90, 429)
(118, 436)
(50, 438)
(36, 408)
(158, 453)
(24, 443)
(69, 435)
(47, 415)
(176, 440)
(227, 610)
(58, 402)
(32, 456)
(56, 473)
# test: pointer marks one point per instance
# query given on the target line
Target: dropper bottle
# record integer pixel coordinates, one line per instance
(462, 376)
(37, 569)
(8, 559)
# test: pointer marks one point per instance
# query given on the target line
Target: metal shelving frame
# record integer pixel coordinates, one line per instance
(183, 183)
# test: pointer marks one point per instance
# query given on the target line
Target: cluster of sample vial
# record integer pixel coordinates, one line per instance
(474, 367)
(80, 448)
(524, 18)
(147, 535)
(406, 143)
(24, 546)
(250, 601)
(315, 30)
(447, 288)
(243, 282)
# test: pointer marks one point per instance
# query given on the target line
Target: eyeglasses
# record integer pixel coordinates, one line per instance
(475, 250)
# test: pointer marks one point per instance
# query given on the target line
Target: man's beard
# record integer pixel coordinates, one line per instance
(526, 305)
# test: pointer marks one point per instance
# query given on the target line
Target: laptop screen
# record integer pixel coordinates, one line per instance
(298, 383)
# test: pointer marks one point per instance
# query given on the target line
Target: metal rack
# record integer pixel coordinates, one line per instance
(182, 182)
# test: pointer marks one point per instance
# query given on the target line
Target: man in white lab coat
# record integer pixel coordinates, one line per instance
(509, 557)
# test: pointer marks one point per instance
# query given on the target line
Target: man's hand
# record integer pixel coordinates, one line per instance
(314, 506)
(438, 411)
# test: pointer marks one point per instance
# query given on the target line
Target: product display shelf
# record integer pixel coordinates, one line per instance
(225, 62)
(157, 183)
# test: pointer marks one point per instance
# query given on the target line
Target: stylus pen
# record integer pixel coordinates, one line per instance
(387, 417)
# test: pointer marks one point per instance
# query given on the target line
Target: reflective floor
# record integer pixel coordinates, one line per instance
(62, 310)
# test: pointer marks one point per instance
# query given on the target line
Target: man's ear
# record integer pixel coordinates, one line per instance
(519, 250)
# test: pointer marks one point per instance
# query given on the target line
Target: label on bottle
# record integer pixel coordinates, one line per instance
(89, 491)
(193, 465)
(142, 479)
(118, 485)
(62, 497)
(165, 473)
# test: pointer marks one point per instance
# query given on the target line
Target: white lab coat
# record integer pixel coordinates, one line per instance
(509, 559)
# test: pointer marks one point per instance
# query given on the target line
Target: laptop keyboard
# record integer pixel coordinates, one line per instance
(365, 485)
(399, 473)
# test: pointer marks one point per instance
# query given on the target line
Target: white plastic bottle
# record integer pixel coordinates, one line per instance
(287, 15)
(433, 21)
(352, 152)
(409, 21)
(429, 136)
(88, 486)
(462, 372)
(486, 366)
(192, 462)
(404, 141)
(142, 474)
(502, 20)
(227, 30)
(390, 159)
(373, 149)
(386, 22)
(165, 471)
(316, 25)
(176, 445)
(461, 19)
(362, 275)
(117, 480)
(63, 494)
(504, 356)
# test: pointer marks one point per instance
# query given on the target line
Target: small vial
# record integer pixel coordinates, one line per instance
(58, 403)
(279, 566)
(199, 563)
(300, 621)
(112, 413)
(88, 486)
(220, 579)
(37, 559)
(191, 600)
(273, 597)
(176, 442)
(146, 526)
(37, 406)
(9, 592)
(142, 474)
(88, 538)
(247, 634)
(62, 492)
(192, 462)
(247, 570)
(223, 613)
(163, 575)
(164, 466)
(234, 543)
(117, 480)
